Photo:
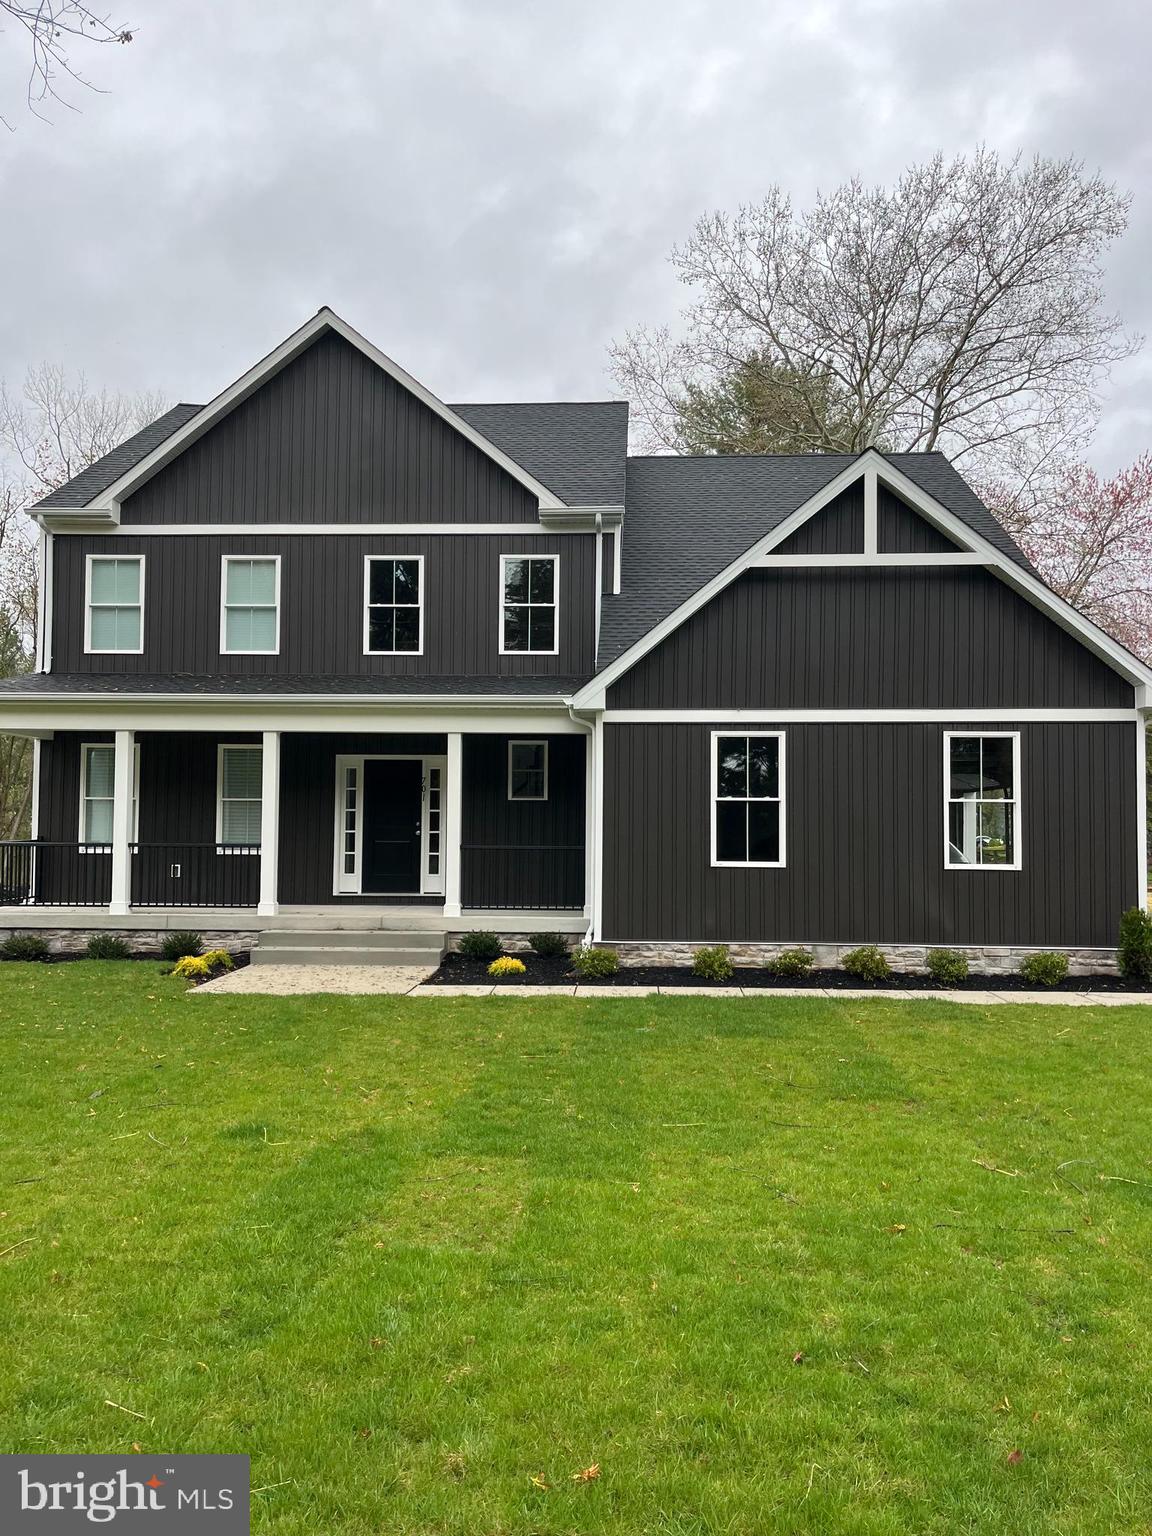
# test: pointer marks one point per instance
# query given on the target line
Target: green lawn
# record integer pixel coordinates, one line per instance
(811, 1267)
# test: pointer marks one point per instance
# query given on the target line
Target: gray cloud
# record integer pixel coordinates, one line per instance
(490, 191)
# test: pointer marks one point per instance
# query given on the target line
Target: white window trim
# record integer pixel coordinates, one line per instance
(419, 559)
(89, 648)
(1016, 802)
(555, 605)
(779, 799)
(225, 562)
(524, 741)
(234, 848)
(85, 748)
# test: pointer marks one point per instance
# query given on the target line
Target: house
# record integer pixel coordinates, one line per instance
(327, 656)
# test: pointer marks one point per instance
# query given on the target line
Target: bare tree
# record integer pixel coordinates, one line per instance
(52, 29)
(961, 309)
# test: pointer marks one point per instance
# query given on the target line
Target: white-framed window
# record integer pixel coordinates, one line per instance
(393, 605)
(250, 605)
(529, 605)
(98, 793)
(114, 605)
(527, 770)
(748, 799)
(239, 796)
(982, 799)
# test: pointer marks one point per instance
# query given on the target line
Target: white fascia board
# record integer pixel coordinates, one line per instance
(108, 501)
(581, 519)
(801, 562)
(956, 715)
(550, 716)
(326, 530)
(593, 694)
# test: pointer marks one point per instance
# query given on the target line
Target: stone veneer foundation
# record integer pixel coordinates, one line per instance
(987, 960)
(141, 941)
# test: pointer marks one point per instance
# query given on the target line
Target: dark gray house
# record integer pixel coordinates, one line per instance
(327, 654)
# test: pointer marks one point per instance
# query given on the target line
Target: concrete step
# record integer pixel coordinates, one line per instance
(344, 954)
(353, 938)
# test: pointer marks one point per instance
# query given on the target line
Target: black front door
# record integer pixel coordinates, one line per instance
(391, 827)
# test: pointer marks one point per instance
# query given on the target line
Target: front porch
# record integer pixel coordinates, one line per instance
(308, 829)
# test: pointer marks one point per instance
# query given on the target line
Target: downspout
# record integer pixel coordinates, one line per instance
(591, 821)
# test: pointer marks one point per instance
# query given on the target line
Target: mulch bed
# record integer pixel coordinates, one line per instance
(456, 970)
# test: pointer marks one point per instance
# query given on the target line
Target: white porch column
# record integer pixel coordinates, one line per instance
(453, 823)
(269, 825)
(122, 829)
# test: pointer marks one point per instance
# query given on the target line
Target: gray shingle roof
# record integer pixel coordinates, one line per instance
(690, 518)
(79, 491)
(577, 448)
(48, 684)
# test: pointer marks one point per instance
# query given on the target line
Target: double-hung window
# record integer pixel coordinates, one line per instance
(114, 621)
(250, 605)
(748, 799)
(98, 793)
(527, 770)
(393, 605)
(982, 800)
(529, 603)
(238, 809)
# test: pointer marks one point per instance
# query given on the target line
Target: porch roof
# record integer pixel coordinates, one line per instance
(41, 685)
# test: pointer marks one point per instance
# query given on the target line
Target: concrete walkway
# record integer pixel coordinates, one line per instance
(371, 980)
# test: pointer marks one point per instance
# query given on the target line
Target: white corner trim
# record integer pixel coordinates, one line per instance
(324, 320)
(225, 562)
(1142, 812)
(419, 606)
(1016, 804)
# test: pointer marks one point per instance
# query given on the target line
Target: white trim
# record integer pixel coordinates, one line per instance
(1142, 812)
(34, 814)
(345, 884)
(124, 804)
(452, 836)
(324, 320)
(870, 512)
(785, 562)
(958, 716)
(599, 580)
(523, 741)
(269, 824)
(49, 600)
(236, 746)
(89, 649)
(419, 605)
(617, 559)
(555, 604)
(777, 800)
(1016, 801)
(594, 899)
(225, 562)
(41, 582)
(377, 529)
(592, 695)
(86, 845)
(278, 714)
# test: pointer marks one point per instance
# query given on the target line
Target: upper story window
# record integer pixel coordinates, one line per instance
(240, 796)
(250, 605)
(393, 605)
(527, 770)
(114, 623)
(982, 800)
(748, 800)
(529, 603)
(98, 792)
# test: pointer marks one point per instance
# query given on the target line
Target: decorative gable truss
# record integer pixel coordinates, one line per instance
(965, 547)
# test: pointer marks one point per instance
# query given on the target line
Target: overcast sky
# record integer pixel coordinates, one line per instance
(489, 189)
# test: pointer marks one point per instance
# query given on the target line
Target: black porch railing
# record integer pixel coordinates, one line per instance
(195, 875)
(38, 873)
(509, 876)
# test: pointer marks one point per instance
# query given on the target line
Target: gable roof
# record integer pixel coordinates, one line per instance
(102, 473)
(688, 519)
(578, 447)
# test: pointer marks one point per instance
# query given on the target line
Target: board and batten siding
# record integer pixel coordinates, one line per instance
(322, 604)
(523, 852)
(864, 818)
(331, 438)
(837, 529)
(920, 637)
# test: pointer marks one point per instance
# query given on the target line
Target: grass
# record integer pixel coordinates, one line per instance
(770, 1266)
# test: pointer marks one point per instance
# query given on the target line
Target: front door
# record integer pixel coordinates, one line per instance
(392, 796)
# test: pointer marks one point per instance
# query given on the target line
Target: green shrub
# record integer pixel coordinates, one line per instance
(107, 946)
(1047, 969)
(25, 946)
(947, 966)
(595, 964)
(791, 962)
(549, 946)
(1134, 952)
(479, 946)
(713, 963)
(867, 963)
(507, 965)
(176, 945)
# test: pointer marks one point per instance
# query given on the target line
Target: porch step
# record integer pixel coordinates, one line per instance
(347, 946)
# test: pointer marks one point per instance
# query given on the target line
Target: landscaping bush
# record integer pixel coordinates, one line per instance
(106, 946)
(176, 946)
(1134, 952)
(595, 964)
(867, 963)
(192, 968)
(713, 963)
(791, 962)
(549, 946)
(479, 946)
(25, 946)
(218, 959)
(946, 966)
(1044, 970)
(507, 965)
